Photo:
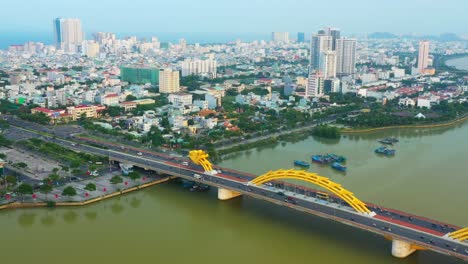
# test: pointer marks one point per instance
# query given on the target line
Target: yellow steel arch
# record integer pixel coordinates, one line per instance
(200, 157)
(313, 178)
(461, 234)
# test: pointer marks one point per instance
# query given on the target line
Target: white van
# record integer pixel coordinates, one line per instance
(197, 176)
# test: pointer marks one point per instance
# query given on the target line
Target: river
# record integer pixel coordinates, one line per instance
(459, 63)
(168, 224)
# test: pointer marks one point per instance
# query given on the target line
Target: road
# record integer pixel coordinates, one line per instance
(427, 233)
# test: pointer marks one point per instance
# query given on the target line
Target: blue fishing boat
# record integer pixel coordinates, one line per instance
(338, 166)
(321, 159)
(301, 163)
(336, 158)
(385, 151)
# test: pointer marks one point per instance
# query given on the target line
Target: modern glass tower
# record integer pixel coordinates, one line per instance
(58, 32)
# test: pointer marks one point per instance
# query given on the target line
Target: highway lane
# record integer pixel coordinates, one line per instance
(236, 182)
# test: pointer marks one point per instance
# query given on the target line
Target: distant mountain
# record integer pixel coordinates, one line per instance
(444, 37)
(382, 35)
(449, 37)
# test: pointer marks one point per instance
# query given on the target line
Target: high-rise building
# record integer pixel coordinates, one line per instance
(319, 43)
(280, 37)
(335, 34)
(205, 67)
(327, 64)
(139, 74)
(423, 57)
(103, 37)
(68, 34)
(345, 56)
(169, 81)
(300, 37)
(58, 32)
(314, 84)
(90, 49)
(288, 85)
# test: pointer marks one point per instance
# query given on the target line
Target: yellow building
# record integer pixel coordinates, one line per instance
(169, 81)
(91, 111)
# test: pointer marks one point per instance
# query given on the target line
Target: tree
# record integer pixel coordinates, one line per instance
(82, 118)
(69, 191)
(165, 123)
(55, 170)
(116, 180)
(21, 165)
(25, 189)
(114, 111)
(130, 98)
(65, 169)
(4, 142)
(134, 175)
(11, 179)
(46, 189)
(54, 177)
(190, 122)
(90, 187)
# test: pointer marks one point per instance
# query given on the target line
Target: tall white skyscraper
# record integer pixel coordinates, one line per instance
(345, 56)
(327, 64)
(199, 67)
(423, 57)
(280, 37)
(68, 34)
(319, 43)
(314, 85)
(169, 81)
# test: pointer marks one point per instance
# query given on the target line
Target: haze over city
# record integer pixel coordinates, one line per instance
(254, 16)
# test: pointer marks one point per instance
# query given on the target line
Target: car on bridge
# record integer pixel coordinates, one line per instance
(290, 200)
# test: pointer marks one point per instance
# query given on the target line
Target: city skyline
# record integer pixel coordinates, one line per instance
(242, 17)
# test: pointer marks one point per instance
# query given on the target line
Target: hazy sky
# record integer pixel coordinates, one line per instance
(252, 16)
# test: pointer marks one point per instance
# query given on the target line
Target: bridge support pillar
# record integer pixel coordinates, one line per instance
(225, 194)
(402, 249)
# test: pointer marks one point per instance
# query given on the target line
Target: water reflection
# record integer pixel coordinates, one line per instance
(70, 217)
(135, 202)
(90, 215)
(402, 133)
(48, 220)
(27, 219)
(327, 141)
(117, 208)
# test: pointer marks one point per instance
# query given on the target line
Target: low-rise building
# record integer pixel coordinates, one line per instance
(90, 111)
(180, 99)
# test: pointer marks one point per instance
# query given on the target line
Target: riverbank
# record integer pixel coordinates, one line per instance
(441, 63)
(445, 124)
(18, 205)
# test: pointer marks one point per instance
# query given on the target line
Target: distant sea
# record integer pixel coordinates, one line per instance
(12, 38)
(459, 63)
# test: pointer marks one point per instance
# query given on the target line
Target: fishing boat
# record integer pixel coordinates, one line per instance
(338, 166)
(321, 159)
(385, 151)
(336, 158)
(301, 163)
(389, 141)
